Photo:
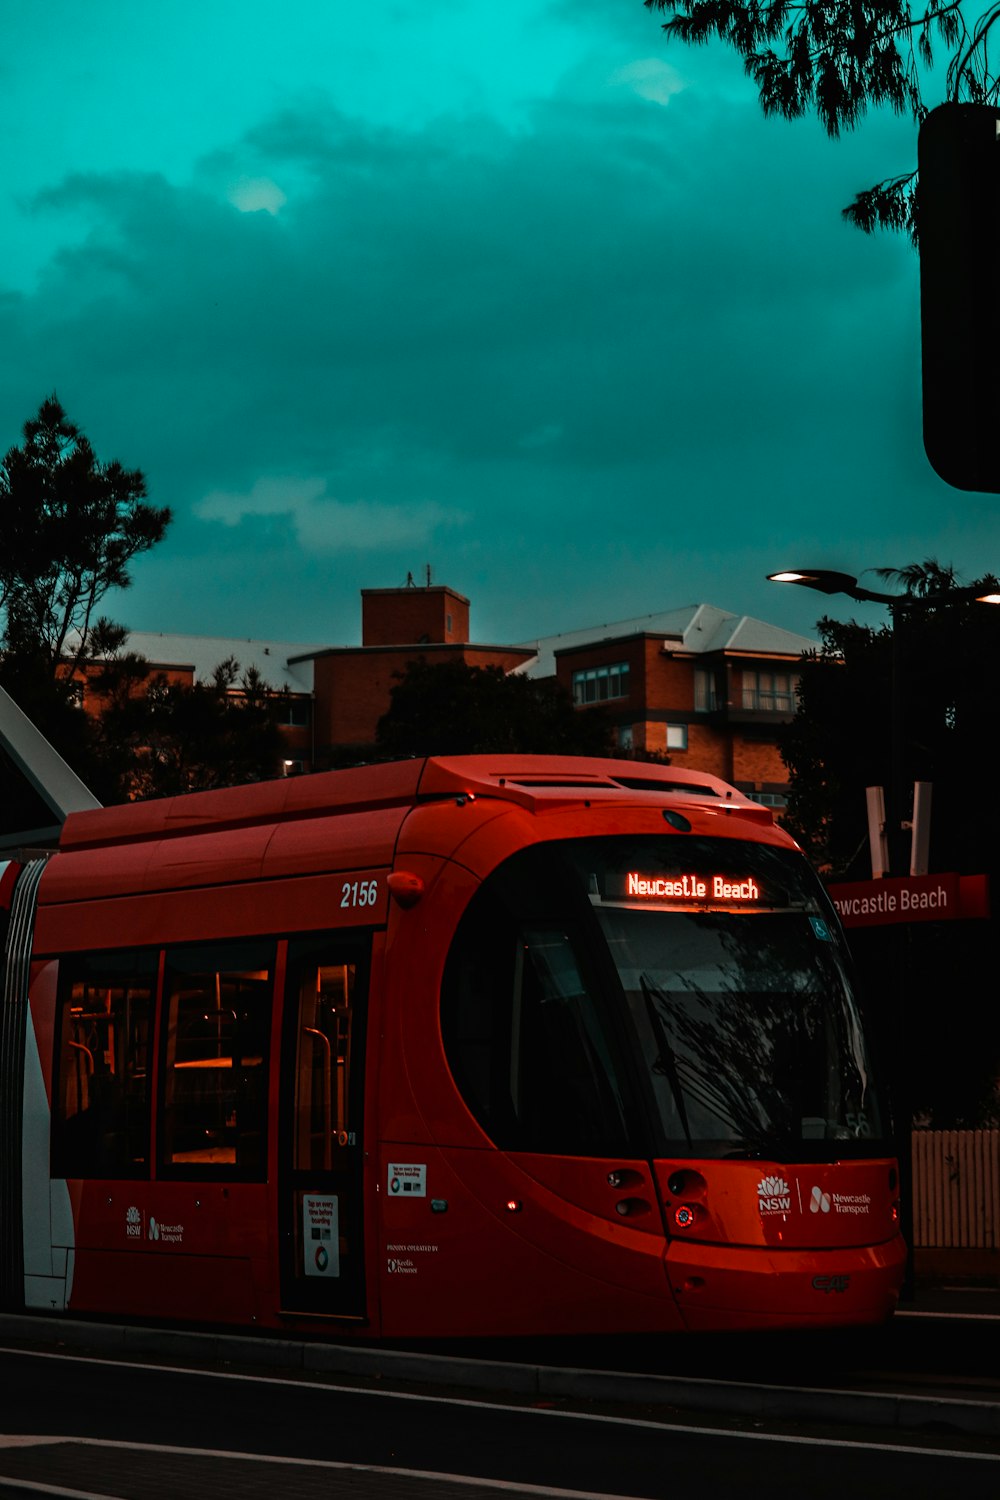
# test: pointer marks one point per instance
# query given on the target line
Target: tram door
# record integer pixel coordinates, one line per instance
(321, 1223)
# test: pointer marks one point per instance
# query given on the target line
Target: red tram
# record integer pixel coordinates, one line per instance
(471, 1046)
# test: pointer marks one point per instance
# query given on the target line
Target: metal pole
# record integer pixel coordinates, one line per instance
(902, 1052)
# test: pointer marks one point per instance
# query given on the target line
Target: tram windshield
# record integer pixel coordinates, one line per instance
(694, 993)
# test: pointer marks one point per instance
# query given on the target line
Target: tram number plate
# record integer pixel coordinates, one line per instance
(359, 893)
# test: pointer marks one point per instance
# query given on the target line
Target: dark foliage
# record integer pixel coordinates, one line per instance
(840, 58)
(948, 720)
(71, 527)
(451, 708)
(158, 739)
(925, 981)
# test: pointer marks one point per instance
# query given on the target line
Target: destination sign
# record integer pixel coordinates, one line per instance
(684, 888)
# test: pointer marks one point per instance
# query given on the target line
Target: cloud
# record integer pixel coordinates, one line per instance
(650, 78)
(253, 194)
(619, 333)
(322, 524)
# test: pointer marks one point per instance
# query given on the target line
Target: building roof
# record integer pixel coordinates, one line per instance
(284, 665)
(697, 628)
(288, 665)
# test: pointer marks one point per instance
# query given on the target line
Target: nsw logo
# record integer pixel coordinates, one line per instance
(774, 1196)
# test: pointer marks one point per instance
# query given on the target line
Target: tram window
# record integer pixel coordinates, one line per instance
(100, 1113)
(323, 1093)
(217, 1014)
(527, 1037)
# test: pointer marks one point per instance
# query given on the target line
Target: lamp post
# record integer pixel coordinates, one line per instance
(986, 591)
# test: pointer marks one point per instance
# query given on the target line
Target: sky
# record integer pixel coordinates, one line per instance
(519, 292)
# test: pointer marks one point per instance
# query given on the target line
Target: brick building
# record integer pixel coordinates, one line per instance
(704, 687)
(351, 684)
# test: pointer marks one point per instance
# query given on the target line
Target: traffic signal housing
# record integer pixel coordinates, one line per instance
(958, 223)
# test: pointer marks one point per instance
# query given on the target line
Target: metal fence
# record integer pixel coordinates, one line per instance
(956, 1189)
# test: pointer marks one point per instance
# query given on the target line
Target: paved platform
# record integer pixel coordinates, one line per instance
(961, 1297)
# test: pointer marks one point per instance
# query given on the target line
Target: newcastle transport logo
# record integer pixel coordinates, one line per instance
(774, 1196)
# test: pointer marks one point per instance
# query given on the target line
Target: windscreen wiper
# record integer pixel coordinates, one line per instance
(667, 1059)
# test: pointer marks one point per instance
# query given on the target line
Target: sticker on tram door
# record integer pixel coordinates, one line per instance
(407, 1180)
(320, 1235)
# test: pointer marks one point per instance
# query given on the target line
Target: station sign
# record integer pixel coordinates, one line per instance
(910, 898)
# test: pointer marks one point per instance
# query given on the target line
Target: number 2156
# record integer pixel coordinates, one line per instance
(359, 893)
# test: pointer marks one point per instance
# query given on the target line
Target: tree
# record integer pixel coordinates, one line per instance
(158, 738)
(451, 708)
(842, 57)
(945, 728)
(71, 526)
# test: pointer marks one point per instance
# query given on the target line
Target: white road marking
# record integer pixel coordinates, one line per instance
(598, 1418)
(951, 1317)
(544, 1490)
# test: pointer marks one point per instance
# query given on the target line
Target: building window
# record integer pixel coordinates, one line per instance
(768, 799)
(770, 692)
(705, 699)
(677, 736)
(294, 713)
(624, 737)
(598, 684)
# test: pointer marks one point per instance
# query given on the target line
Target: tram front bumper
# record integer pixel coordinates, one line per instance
(724, 1287)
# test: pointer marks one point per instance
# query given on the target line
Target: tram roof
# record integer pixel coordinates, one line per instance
(524, 779)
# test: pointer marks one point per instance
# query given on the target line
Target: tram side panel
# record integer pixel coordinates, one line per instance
(35, 1223)
(164, 1222)
(48, 1230)
(177, 1216)
(473, 1238)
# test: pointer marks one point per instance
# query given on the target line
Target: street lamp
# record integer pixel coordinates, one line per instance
(985, 591)
(827, 581)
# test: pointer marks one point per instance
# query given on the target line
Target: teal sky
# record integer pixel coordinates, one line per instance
(514, 290)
